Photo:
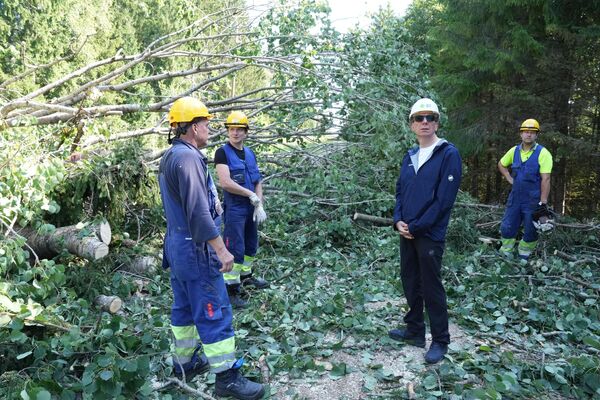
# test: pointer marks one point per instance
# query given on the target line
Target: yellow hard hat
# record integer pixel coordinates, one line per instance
(186, 109)
(530, 125)
(237, 119)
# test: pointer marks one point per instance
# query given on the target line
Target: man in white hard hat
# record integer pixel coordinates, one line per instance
(425, 193)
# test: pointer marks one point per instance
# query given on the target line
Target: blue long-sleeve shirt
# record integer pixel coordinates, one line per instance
(184, 191)
(424, 198)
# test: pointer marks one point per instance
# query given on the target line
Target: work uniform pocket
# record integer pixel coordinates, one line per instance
(185, 259)
(214, 264)
(212, 301)
(238, 176)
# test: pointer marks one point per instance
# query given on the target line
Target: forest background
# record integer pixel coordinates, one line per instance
(84, 90)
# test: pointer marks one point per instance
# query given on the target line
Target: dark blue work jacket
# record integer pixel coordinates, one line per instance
(424, 198)
(189, 207)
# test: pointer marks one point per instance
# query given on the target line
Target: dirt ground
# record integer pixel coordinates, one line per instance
(402, 366)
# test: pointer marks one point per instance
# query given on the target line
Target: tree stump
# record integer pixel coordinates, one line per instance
(111, 304)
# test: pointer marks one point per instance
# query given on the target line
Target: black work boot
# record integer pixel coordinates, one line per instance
(436, 352)
(258, 283)
(198, 365)
(403, 335)
(235, 296)
(232, 383)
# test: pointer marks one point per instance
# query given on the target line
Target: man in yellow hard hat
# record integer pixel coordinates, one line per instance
(197, 256)
(531, 166)
(240, 178)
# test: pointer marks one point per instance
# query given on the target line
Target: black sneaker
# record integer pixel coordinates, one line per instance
(258, 283)
(436, 352)
(189, 370)
(402, 335)
(232, 383)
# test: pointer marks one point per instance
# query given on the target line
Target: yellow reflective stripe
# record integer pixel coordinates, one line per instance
(526, 248)
(507, 245)
(248, 259)
(186, 341)
(221, 355)
(184, 332)
(225, 346)
(231, 279)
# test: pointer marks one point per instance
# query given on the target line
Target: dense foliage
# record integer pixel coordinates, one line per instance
(533, 329)
(497, 63)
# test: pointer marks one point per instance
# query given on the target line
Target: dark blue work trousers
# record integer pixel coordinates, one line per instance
(420, 270)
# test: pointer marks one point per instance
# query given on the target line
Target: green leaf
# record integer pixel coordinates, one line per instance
(430, 382)
(339, 369)
(43, 395)
(106, 375)
(23, 355)
(591, 341)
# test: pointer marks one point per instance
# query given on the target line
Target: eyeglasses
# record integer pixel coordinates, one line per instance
(428, 117)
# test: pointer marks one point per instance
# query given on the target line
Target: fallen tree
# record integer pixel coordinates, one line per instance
(89, 242)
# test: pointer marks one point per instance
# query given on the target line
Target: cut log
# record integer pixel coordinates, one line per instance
(142, 265)
(103, 232)
(67, 238)
(112, 304)
(375, 220)
(489, 240)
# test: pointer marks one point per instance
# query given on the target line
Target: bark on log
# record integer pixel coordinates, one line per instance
(69, 238)
(375, 220)
(142, 265)
(112, 304)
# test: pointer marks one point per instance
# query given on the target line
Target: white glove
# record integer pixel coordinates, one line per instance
(544, 224)
(254, 200)
(260, 215)
(218, 207)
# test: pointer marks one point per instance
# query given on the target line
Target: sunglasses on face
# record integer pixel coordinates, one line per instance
(428, 117)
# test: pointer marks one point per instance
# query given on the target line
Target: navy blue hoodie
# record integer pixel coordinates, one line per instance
(425, 198)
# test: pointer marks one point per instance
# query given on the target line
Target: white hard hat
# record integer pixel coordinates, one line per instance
(424, 105)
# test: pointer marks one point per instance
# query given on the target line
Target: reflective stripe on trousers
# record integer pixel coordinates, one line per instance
(233, 277)
(186, 342)
(221, 355)
(247, 266)
(526, 248)
(507, 247)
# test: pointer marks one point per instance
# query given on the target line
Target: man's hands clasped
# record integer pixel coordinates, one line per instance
(403, 229)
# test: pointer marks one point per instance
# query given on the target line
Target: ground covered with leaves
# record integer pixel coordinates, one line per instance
(320, 331)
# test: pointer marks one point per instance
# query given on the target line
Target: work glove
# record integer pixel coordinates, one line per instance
(543, 218)
(218, 207)
(260, 215)
(254, 199)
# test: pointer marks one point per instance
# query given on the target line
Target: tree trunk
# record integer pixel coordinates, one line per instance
(69, 238)
(374, 220)
(142, 265)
